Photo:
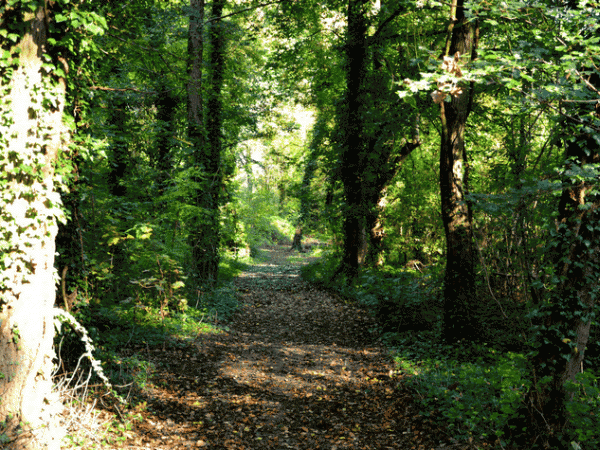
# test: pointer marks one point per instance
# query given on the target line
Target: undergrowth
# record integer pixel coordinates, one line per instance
(121, 334)
(476, 397)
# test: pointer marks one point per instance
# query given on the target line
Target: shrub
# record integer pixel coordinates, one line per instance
(584, 409)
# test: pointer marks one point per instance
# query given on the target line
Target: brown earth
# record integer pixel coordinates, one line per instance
(297, 369)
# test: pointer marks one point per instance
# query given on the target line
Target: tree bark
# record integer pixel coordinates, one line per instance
(459, 281)
(207, 231)
(195, 112)
(383, 169)
(297, 242)
(33, 135)
(195, 63)
(367, 143)
(352, 137)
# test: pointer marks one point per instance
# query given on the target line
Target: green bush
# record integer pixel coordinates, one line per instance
(220, 303)
(584, 409)
(321, 271)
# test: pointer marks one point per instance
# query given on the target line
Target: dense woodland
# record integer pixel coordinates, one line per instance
(445, 155)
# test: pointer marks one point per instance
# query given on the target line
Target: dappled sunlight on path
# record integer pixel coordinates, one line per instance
(296, 369)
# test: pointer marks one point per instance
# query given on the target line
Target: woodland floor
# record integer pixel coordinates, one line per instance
(298, 369)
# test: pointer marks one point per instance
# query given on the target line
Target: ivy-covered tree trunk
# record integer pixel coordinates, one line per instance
(367, 137)
(384, 160)
(31, 133)
(459, 281)
(351, 132)
(206, 234)
(195, 122)
(306, 200)
(195, 64)
(566, 316)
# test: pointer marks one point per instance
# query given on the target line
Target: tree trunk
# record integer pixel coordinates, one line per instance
(367, 161)
(195, 64)
(383, 168)
(310, 167)
(352, 137)
(207, 233)
(297, 242)
(459, 282)
(33, 136)
(196, 131)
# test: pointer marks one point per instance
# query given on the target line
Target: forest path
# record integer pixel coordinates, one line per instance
(297, 369)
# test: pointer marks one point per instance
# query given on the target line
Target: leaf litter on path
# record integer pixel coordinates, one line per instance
(296, 370)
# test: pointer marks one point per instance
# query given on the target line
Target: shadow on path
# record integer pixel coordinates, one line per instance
(296, 370)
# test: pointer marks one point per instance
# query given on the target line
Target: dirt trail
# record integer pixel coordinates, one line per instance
(296, 370)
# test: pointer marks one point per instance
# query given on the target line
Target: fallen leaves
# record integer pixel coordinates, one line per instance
(297, 370)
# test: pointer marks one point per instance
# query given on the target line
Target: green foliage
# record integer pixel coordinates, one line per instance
(477, 399)
(5, 425)
(231, 266)
(583, 409)
(264, 220)
(116, 329)
(320, 272)
(132, 369)
(220, 303)
(133, 252)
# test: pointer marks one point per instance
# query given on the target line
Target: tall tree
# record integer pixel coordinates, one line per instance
(459, 280)
(205, 234)
(368, 123)
(388, 119)
(32, 135)
(195, 66)
(351, 134)
(195, 113)
(566, 317)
